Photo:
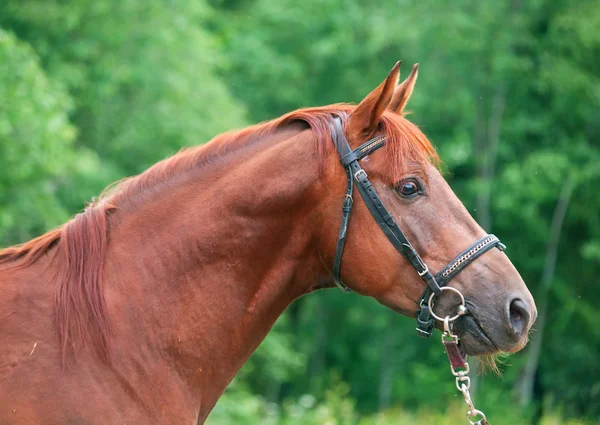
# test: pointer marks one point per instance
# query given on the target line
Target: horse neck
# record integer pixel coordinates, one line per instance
(216, 261)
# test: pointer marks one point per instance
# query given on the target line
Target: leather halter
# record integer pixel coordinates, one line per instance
(355, 173)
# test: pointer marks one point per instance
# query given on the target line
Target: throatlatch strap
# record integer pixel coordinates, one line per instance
(337, 131)
(339, 250)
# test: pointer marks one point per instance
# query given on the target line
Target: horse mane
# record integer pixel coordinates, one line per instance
(81, 243)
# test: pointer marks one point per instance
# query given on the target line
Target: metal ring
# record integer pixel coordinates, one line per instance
(473, 413)
(461, 311)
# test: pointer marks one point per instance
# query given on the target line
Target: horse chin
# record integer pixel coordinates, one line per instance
(474, 341)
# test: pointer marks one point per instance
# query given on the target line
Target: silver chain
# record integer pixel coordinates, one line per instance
(463, 382)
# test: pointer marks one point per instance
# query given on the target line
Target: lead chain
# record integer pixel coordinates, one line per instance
(463, 382)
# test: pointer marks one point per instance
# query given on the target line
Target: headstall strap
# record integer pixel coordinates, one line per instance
(435, 284)
(355, 174)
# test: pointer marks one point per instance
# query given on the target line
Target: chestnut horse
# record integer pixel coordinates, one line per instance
(141, 309)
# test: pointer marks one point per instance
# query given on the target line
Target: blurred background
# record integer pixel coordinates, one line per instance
(509, 92)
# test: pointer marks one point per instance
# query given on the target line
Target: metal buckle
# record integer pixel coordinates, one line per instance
(424, 272)
(359, 172)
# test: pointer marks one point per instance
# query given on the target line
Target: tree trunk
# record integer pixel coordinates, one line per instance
(487, 146)
(487, 168)
(526, 382)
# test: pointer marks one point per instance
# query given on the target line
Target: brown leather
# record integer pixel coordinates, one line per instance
(458, 360)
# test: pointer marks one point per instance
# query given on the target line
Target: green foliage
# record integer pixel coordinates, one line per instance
(143, 74)
(336, 408)
(35, 138)
(509, 92)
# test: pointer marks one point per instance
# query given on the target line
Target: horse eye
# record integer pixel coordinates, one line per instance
(409, 188)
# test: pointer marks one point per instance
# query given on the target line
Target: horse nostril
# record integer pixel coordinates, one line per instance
(519, 316)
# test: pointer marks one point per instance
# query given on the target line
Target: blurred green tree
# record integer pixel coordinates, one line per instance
(509, 92)
(36, 143)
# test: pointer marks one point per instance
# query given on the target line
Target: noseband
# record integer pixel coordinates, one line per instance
(354, 173)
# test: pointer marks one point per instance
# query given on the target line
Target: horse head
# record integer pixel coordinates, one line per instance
(409, 225)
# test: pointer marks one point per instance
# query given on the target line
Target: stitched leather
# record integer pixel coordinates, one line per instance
(425, 322)
(457, 358)
(381, 215)
(337, 132)
(354, 172)
(466, 257)
(386, 222)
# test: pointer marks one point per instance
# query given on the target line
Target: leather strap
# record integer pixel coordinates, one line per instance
(347, 156)
(362, 151)
(458, 360)
(382, 216)
(337, 131)
(389, 227)
(354, 173)
(425, 321)
(466, 257)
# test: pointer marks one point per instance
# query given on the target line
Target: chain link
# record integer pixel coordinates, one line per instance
(463, 381)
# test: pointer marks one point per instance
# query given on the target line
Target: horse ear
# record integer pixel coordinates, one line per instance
(368, 112)
(404, 91)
